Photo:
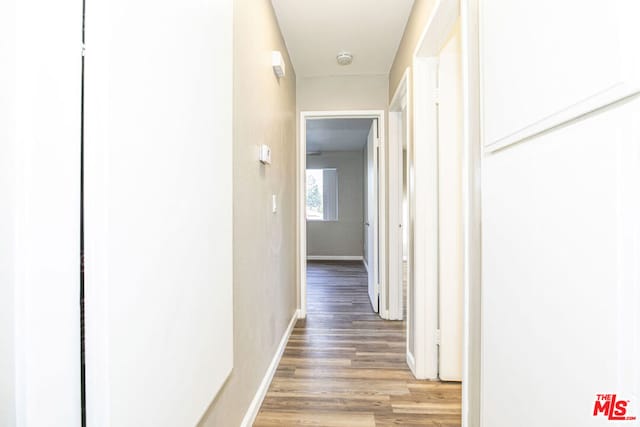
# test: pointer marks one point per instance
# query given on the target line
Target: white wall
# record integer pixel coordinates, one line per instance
(343, 237)
(159, 209)
(7, 215)
(560, 214)
(39, 190)
(7, 279)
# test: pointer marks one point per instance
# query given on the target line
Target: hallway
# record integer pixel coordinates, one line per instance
(344, 366)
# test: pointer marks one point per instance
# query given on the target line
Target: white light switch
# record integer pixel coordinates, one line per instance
(274, 207)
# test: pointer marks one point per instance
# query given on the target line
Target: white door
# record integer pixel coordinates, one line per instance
(397, 129)
(372, 213)
(560, 212)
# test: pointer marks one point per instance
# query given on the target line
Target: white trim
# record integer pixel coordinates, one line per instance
(399, 104)
(381, 262)
(594, 102)
(411, 361)
(437, 30)
(426, 193)
(444, 16)
(301, 228)
(426, 222)
(335, 258)
(256, 403)
(366, 267)
(343, 114)
(301, 208)
(471, 214)
(400, 97)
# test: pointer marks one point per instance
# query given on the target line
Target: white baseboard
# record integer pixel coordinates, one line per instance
(254, 407)
(334, 257)
(411, 361)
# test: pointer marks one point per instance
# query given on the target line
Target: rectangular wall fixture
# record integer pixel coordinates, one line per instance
(278, 64)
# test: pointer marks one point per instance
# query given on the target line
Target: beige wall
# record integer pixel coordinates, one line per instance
(343, 237)
(343, 93)
(413, 31)
(264, 243)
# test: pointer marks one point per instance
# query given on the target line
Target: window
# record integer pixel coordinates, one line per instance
(322, 194)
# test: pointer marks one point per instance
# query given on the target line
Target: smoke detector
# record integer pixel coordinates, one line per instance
(344, 58)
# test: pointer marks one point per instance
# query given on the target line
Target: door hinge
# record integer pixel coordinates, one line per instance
(438, 337)
(436, 95)
(83, 49)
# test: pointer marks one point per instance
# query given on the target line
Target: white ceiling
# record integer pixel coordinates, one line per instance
(337, 134)
(316, 30)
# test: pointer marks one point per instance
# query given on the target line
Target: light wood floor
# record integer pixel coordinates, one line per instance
(345, 367)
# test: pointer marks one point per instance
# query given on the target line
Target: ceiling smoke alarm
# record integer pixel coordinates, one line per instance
(344, 58)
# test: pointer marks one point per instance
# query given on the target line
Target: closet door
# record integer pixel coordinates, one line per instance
(560, 211)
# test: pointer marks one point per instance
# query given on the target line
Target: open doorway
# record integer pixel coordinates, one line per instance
(425, 213)
(436, 300)
(401, 214)
(340, 195)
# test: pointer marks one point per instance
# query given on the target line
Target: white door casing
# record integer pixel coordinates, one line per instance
(377, 240)
(450, 299)
(425, 155)
(427, 187)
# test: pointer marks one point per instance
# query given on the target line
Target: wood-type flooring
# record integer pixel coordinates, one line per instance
(346, 367)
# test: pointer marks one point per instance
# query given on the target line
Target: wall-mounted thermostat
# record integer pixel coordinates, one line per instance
(265, 154)
(278, 64)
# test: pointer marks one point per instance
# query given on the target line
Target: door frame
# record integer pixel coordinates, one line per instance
(301, 166)
(471, 212)
(442, 19)
(400, 102)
